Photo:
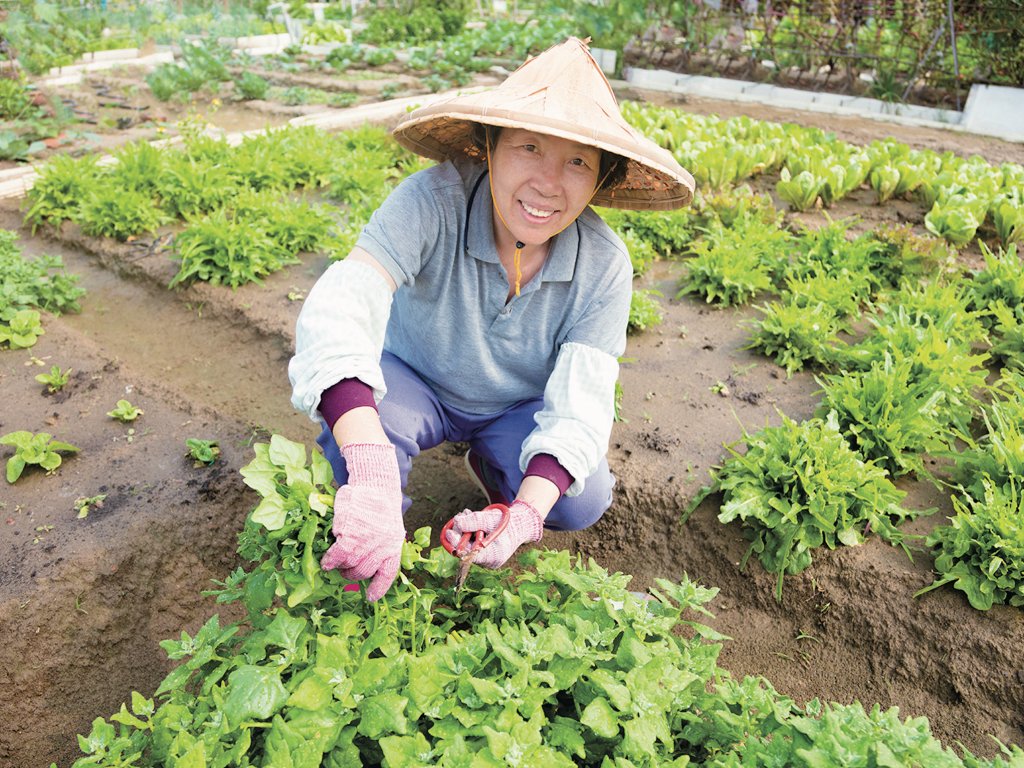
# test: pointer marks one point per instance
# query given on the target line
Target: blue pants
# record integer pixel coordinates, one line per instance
(414, 419)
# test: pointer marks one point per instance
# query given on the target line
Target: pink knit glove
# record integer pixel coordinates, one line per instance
(525, 524)
(368, 525)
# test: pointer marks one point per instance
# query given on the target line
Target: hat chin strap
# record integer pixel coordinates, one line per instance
(517, 257)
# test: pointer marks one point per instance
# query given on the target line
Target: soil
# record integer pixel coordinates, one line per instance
(84, 603)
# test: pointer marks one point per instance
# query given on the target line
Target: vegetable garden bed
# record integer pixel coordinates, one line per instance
(846, 629)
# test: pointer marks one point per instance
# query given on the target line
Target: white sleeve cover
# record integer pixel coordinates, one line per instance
(340, 334)
(575, 423)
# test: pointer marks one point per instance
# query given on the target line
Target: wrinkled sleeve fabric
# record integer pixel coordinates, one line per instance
(340, 334)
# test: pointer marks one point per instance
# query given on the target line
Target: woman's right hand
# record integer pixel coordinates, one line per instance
(368, 527)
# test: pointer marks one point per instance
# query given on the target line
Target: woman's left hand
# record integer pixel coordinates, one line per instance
(525, 524)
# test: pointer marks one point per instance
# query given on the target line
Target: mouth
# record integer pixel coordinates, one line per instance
(536, 213)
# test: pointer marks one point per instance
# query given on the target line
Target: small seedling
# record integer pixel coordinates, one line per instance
(33, 449)
(125, 412)
(720, 389)
(202, 452)
(41, 529)
(82, 504)
(54, 380)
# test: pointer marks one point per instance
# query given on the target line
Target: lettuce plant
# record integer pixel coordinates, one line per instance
(1001, 281)
(997, 456)
(59, 190)
(888, 417)
(33, 449)
(801, 486)
(982, 552)
(19, 328)
(795, 334)
(800, 191)
(644, 310)
(221, 248)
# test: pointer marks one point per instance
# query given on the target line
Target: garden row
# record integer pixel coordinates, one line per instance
(564, 668)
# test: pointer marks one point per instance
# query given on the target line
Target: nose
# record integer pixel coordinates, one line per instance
(548, 177)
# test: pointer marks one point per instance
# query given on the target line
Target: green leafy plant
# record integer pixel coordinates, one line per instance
(801, 486)
(202, 452)
(903, 255)
(327, 677)
(17, 148)
(795, 335)
(800, 191)
(997, 456)
(125, 412)
(33, 449)
(221, 248)
(54, 380)
(644, 311)
(1001, 281)
(729, 266)
(42, 283)
(982, 552)
(250, 86)
(84, 504)
(957, 219)
(19, 328)
(1008, 220)
(63, 183)
(120, 213)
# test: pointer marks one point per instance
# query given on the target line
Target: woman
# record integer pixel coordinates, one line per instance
(484, 302)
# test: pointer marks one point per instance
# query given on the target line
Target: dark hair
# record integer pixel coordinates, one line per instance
(612, 167)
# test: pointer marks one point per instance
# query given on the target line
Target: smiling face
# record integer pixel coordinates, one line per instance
(540, 184)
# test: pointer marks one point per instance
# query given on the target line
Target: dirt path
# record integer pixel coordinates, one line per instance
(84, 603)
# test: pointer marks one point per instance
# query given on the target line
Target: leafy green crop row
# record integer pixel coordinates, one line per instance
(563, 667)
(225, 195)
(960, 194)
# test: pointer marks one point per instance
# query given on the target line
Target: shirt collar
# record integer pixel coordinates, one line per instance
(560, 264)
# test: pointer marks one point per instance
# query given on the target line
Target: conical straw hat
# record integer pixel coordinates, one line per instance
(562, 92)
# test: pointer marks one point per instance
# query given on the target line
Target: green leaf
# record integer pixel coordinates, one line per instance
(254, 693)
(382, 714)
(601, 718)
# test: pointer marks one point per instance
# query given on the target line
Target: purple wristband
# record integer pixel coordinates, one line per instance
(547, 466)
(338, 399)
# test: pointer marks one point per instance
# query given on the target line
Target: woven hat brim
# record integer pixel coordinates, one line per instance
(654, 180)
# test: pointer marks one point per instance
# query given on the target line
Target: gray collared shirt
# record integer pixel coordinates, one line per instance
(449, 320)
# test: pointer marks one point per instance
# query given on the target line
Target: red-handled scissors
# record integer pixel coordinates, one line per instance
(472, 543)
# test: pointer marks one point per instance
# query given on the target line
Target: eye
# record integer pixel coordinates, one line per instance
(530, 147)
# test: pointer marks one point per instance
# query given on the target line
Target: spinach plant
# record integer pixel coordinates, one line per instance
(33, 449)
(546, 671)
(42, 283)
